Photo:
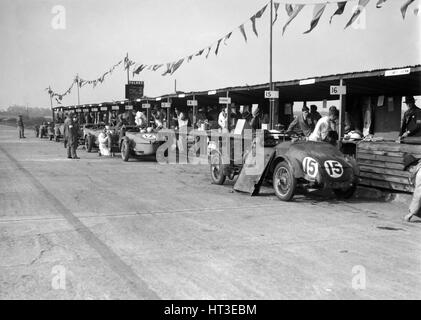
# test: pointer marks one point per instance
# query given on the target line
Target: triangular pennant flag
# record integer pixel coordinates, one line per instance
(292, 16)
(380, 3)
(150, 67)
(169, 66)
(209, 50)
(227, 37)
(157, 66)
(139, 69)
(357, 12)
(243, 32)
(257, 16)
(317, 13)
(405, 7)
(199, 53)
(189, 58)
(276, 5)
(217, 47)
(289, 8)
(339, 11)
(176, 65)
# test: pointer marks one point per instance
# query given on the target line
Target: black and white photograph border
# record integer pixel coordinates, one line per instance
(210, 150)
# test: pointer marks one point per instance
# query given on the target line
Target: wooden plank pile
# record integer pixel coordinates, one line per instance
(382, 164)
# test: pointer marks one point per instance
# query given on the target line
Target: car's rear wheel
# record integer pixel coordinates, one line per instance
(345, 193)
(217, 169)
(88, 143)
(125, 150)
(284, 182)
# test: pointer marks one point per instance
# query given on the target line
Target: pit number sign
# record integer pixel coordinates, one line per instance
(224, 100)
(272, 94)
(337, 90)
(192, 103)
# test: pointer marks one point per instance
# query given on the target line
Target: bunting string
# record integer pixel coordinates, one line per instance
(292, 11)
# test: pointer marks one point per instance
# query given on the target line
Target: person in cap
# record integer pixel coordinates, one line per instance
(411, 122)
(21, 128)
(413, 165)
(103, 142)
(302, 125)
(314, 114)
(326, 128)
(71, 136)
(255, 122)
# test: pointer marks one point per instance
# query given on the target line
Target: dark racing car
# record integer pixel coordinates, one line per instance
(288, 165)
(313, 165)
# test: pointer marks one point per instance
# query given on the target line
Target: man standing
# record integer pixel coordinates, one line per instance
(326, 126)
(71, 136)
(411, 122)
(314, 114)
(302, 124)
(223, 120)
(413, 165)
(20, 127)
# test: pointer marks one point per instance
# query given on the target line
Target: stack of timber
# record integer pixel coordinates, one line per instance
(382, 164)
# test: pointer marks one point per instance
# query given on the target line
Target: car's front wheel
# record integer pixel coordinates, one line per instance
(284, 182)
(217, 169)
(345, 193)
(125, 150)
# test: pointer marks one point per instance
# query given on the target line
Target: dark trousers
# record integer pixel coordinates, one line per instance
(71, 149)
(21, 132)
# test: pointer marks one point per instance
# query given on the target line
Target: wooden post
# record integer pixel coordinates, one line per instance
(168, 116)
(271, 101)
(341, 110)
(194, 113)
(228, 106)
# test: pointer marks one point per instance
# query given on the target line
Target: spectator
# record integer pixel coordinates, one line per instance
(411, 122)
(21, 128)
(413, 165)
(71, 137)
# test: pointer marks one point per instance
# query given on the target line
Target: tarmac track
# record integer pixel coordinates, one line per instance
(139, 230)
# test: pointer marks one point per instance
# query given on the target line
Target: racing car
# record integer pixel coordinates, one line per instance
(290, 164)
(139, 142)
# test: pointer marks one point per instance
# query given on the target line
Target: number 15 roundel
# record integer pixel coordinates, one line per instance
(310, 166)
(334, 168)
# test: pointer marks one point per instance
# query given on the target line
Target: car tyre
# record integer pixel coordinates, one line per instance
(125, 150)
(284, 182)
(345, 193)
(217, 169)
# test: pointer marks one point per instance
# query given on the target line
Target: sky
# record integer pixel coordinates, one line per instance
(99, 33)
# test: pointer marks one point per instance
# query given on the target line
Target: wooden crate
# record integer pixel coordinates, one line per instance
(382, 164)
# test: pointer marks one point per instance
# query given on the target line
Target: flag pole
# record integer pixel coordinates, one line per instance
(77, 83)
(271, 101)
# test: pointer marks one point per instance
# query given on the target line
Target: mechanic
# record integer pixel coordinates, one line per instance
(302, 125)
(21, 128)
(104, 149)
(326, 127)
(314, 114)
(71, 136)
(140, 119)
(413, 165)
(223, 120)
(411, 122)
(255, 122)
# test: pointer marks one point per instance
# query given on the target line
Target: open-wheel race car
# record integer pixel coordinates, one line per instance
(137, 142)
(289, 165)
